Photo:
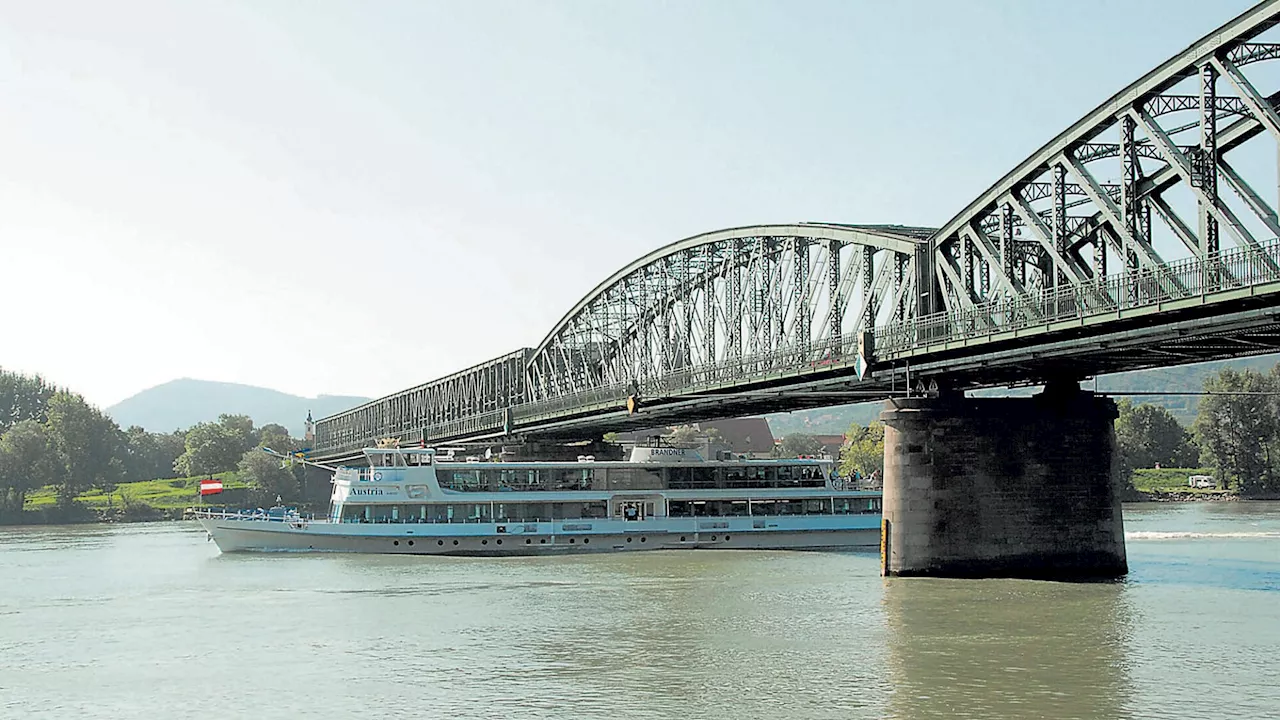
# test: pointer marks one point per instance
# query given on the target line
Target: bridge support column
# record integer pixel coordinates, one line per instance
(1003, 487)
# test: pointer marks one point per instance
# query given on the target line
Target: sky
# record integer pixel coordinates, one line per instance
(357, 197)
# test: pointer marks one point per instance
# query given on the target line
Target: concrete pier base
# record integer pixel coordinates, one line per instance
(1003, 487)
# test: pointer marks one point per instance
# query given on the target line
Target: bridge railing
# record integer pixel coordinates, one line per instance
(1230, 269)
(705, 377)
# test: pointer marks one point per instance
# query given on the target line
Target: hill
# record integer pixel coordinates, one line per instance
(1183, 378)
(179, 404)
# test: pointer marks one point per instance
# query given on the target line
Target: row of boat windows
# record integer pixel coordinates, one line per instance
(657, 478)
(740, 508)
(475, 512)
(545, 512)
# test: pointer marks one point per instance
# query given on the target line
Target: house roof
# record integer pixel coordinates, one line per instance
(748, 434)
(744, 435)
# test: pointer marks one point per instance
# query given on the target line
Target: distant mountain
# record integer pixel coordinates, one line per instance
(179, 404)
(1183, 378)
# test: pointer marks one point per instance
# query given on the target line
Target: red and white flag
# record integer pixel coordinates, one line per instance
(210, 487)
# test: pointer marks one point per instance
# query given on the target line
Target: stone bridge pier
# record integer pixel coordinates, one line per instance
(1003, 487)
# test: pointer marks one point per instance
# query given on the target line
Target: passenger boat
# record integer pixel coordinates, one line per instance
(415, 501)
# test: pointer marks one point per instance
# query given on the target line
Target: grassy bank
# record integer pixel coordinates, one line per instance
(1169, 480)
(1171, 484)
(161, 495)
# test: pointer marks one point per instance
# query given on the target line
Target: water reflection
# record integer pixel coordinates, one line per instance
(1007, 649)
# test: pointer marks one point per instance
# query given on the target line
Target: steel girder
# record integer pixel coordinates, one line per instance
(1029, 230)
(679, 316)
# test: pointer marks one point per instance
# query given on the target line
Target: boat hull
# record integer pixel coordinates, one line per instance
(541, 538)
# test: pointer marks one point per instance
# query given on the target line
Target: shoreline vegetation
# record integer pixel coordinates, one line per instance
(63, 460)
(142, 501)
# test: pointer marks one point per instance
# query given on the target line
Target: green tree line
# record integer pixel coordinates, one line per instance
(51, 437)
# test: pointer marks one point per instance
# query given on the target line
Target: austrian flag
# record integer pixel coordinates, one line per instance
(210, 487)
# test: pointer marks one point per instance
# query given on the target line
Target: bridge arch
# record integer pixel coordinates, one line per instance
(1064, 222)
(730, 304)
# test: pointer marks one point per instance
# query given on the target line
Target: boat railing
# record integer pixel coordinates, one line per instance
(255, 514)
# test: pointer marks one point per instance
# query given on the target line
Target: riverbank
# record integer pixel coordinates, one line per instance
(141, 501)
(1187, 496)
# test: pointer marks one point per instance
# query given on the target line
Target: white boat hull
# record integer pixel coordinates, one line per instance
(546, 538)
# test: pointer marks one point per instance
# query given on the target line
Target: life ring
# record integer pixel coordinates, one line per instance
(377, 476)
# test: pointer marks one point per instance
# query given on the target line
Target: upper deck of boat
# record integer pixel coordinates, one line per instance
(663, 457)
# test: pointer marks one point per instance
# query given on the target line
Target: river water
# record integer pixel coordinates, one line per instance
(144, 621)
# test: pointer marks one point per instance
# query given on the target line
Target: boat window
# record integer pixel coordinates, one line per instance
(785, 476)
(473, 512)
(565, 511)
(821, 506)
(851, 506)
(678, 478)
(520, 480)
(386, 459)
(777, 507)
(353, 513)
(735, 476)
(462, 479)
(680, 508)
(761, 477)
(522, 512)
(745, 476)
(635, 478)
(690, 478)
(571, 478)
(812, 476)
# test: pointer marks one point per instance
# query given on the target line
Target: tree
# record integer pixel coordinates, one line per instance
(1237, 433)
(90, 447)
(797, 444)
(682, 434)
(23, 397)
(28, 460)
(152, 455)
(241, 428)
(277, 438)
(209, 448)
(216, 447)
(715, 437)
(1149, 435)
(266, 478)
(863, 451)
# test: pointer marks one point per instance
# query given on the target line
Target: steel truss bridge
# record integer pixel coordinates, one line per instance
(1134, 239)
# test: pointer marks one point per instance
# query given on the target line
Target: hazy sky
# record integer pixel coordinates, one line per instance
(357, 197)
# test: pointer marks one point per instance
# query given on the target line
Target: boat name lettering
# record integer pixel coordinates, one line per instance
(371, 491)
(667, 451)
